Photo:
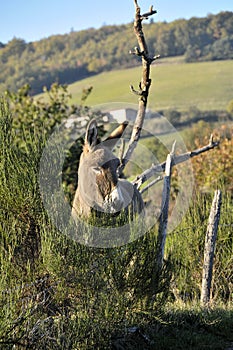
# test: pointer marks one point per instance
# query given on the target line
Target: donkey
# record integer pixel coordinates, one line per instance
(100, 190)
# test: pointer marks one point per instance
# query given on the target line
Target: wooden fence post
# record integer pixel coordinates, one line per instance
(210, 240)
(163, 219)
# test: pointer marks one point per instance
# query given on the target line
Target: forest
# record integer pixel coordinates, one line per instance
(74, 56)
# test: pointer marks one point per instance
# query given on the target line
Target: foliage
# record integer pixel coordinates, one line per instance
(221, 49)
(189, 237)
(74, 56)
(58, 294)
(212, 169)
(55, 292)
(30, 114)
(185, 326)
(41, 116)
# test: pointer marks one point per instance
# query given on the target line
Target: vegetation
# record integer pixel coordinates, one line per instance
(184, 326)
(74, 56)
(58, 294)
(52, 287)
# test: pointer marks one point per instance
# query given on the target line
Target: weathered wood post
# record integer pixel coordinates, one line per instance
(210, 240)
(163, 219)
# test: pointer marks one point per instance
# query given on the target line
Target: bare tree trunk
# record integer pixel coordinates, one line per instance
(144, 85)
(210, 240)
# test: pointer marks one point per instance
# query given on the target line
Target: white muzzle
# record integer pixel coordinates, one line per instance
(115, 201)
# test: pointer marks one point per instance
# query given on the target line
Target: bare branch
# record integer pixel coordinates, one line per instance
(139, 53)
(136, 92)
(148, 14)
(145, 83)
(173, 148)
(136, 52)
(177, 159)
(152, 183)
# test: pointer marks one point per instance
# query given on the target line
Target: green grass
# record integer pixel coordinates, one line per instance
(175, 84)
(191, 327)
(182, 327)
(57, 294)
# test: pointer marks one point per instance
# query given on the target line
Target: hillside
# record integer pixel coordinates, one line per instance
(175, 84)
(77, 55)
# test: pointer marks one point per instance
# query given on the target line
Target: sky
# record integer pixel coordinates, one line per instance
(33, 20)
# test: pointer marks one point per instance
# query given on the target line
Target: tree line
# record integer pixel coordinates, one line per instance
(74, 56)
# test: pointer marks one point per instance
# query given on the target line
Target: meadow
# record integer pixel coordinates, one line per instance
(175, 85)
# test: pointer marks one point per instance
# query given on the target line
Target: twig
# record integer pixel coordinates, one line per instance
(152, 183)
(177, 159)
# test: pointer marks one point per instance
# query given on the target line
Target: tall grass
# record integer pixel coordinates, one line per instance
(58, 294)
(186, 246)
(51, 286)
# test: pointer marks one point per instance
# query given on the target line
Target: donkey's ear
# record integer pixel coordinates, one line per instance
(91, 138)
(116, 134)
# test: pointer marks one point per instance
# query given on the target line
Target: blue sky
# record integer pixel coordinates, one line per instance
(34, 20)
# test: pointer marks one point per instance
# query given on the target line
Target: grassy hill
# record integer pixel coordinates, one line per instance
(77, 55)
(175, 84)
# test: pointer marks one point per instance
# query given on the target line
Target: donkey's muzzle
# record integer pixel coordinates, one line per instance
(115, 201)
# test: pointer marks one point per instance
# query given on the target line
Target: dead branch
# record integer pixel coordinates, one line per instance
(144, 85)
(177, 159)
(152, 183)
(159, 178)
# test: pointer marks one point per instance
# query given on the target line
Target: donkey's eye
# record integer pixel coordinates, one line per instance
(97, 170)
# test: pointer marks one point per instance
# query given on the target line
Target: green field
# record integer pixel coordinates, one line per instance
(175, 84)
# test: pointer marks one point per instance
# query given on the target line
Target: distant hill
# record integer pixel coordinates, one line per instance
(175, 85)
(77, 55)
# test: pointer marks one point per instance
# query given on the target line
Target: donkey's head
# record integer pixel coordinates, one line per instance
(99, 187)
